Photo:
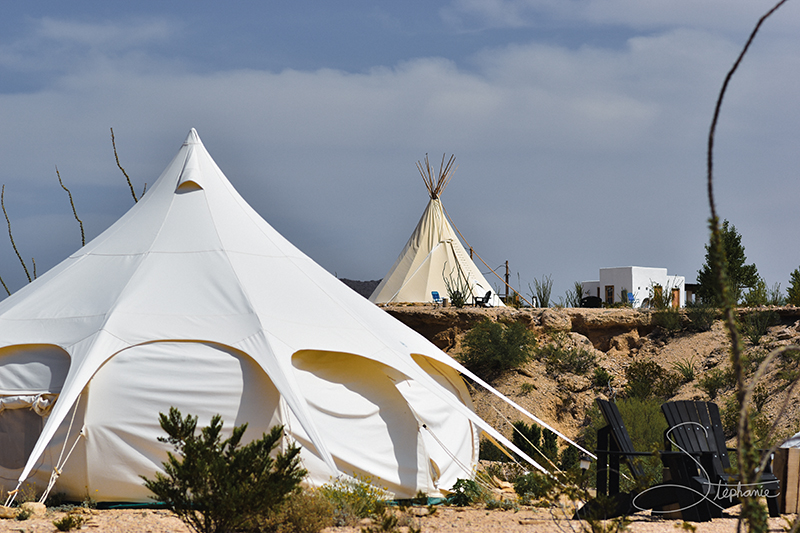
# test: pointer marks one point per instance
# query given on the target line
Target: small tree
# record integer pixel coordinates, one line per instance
(217, 486)
(793, 293)
(738, 274)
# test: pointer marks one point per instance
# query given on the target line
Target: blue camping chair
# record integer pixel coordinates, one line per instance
(437, 301)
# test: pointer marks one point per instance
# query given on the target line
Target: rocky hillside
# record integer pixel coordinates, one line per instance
(617, 337)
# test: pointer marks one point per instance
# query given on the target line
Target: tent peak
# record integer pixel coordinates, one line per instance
(436, 183)
(192, 138)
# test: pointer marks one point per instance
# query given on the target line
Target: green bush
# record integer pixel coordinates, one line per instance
(304, 512)
(756, 323)
(668, 319)
(490, 348)
(527, 438)
(789, 365)
(532, 486)
(701, 316)
(601, 378)
(574, 296)
(216, 485)
(570, 458)
(560, 360)
(69, 522)
(716, 380)
(541, 290)
(465, 492)
(354, 498)
(730, 413)
(457, 286)
(685, 368)
(490, 452)
(648, 379)
(775, 296)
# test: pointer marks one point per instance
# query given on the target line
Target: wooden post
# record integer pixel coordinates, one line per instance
(506, 280)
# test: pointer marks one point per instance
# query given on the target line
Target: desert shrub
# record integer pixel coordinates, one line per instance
(648, 379)
(570, 458)
(532, 486)
(457, 286)
(491, 348)
(685, 368)
(541, 445)
(69, 522)
(528, 438)
(775, 296)
(668, 319)
(23, 513)
(660, 297)
(490, 452)
(561, 360)
(601, 378)
(789, 366)
(752, 360)
(217, 485)
(756, 323)
(574, 295)
(304, 512)
(760, 396)
(465, 492)
(729, 414)
(701, 316)
(716, 380)
(541, 290)
(354, 498)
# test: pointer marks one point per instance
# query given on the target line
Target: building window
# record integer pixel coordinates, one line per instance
(609, 294)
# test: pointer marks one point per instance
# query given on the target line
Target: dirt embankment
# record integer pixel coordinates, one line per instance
(617, 337)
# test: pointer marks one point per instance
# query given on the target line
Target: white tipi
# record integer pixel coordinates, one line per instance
(192, 300)
(433, 259)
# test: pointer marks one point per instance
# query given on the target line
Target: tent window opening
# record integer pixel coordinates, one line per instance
(19, 431)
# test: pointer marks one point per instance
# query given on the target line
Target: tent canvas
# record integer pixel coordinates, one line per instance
(192, 300)
(433, 257)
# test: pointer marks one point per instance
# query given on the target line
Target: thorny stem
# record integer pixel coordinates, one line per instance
(72, 203)
(114, 144)
(10, 236)
(752, 510)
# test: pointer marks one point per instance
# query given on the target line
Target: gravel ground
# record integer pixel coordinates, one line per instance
(444, 519)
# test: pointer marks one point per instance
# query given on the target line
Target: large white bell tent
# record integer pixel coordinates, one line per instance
(192, 300)
(433, 258)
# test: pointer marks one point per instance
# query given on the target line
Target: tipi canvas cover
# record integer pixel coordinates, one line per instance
(432, 253)
(192, 300)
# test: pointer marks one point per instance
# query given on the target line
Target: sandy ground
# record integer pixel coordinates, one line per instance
(529, 520)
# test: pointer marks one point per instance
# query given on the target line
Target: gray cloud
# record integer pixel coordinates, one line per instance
(570, 159)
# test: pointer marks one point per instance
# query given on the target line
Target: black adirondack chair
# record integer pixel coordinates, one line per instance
(696, 428)
(614, 447)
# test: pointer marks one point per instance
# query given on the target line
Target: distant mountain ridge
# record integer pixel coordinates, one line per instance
(364, 288)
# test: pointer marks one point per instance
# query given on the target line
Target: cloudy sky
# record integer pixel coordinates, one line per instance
(579, 126)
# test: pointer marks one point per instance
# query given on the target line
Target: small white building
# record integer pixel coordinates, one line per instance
(636, 285)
